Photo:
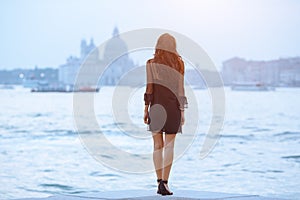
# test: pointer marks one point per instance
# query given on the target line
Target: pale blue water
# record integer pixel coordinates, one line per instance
(258, 153)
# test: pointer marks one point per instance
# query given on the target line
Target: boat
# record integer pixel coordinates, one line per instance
(251, 86)
(45, 87)
(30, 83)
(7, 87)
(86, 89)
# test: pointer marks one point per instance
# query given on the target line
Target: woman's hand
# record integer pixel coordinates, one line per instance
(146, 115)
(182, 117)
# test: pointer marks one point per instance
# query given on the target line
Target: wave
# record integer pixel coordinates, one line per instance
(262, 130)
(295, 158)
(36, 115)
(288, 133)
(291, 157)
(59, 132)
(288, 136)
(233, 136)
(58, 186)
(262, 171)
(38, 134)
(97, 174)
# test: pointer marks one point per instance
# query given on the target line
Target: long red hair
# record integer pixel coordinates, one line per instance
(166, 53)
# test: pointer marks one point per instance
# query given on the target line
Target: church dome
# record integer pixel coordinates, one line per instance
(115, 47)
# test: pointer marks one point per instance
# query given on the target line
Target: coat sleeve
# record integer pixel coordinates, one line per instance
(148, 96)
(181, 93)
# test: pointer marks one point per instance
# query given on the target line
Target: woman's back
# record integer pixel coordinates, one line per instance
(165, 97)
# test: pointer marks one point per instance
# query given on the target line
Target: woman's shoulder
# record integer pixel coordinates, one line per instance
(150, 61)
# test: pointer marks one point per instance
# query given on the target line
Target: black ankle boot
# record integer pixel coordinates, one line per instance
(163, 190)
(158, 181)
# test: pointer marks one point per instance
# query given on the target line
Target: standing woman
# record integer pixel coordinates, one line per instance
(164, 105)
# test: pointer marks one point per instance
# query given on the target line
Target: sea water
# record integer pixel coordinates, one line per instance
(258, 152)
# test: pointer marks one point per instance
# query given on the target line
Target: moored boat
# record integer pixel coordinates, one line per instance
(251, 86)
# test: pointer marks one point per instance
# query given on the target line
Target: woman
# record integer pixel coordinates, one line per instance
(164, 105)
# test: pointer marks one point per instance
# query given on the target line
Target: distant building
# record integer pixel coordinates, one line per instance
(115, 66)
(281, 72)
(69, 70)
(24, 76)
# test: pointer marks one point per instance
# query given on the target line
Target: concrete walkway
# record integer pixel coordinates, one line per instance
(148, 195)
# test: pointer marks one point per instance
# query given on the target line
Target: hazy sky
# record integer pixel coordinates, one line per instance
(46, 32)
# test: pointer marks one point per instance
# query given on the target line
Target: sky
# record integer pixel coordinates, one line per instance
(45, 33)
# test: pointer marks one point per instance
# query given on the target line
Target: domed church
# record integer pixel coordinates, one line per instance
(115, 60)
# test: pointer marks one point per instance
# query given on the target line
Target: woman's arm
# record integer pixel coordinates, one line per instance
(148, 96)
(181, 93)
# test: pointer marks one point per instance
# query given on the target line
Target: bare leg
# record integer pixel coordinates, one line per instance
(158, 144)
(168, 156)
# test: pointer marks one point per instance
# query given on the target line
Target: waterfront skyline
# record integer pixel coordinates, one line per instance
(45, 33)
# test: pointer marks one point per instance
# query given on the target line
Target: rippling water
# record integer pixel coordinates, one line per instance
(258, 152)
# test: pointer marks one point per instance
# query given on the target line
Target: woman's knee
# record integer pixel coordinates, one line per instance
(158, 145)
(169, 147)
(169, 143)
